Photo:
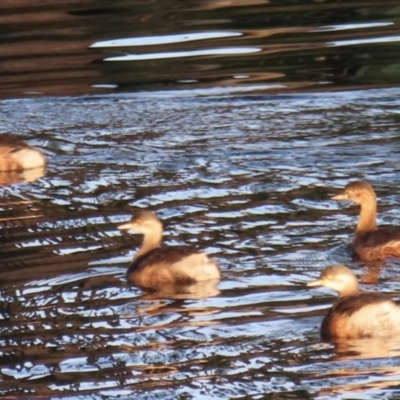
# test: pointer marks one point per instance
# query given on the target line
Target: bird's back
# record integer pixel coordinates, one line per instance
(378, 245)
(172, 265)
(360, 316)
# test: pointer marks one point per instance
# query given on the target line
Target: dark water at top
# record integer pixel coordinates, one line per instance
(229, 128)
(88, 46)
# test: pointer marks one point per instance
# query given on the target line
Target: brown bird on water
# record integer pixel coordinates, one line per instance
(16, 155)
(369, 242)
(153, 266)
(356, 314)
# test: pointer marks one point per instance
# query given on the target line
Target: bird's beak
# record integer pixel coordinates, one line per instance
(342, 196)
(318, 282)
(125, 227)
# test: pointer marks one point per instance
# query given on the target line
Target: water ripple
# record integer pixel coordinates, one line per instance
(246, 178)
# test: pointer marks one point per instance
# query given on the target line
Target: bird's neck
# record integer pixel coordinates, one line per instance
(367, 221)
(350, 290)
(150, 242)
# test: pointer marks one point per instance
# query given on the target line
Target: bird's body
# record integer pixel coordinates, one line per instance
(377, 245)
(16, 155)
(154, 266)
(370, 243)
(356, 314)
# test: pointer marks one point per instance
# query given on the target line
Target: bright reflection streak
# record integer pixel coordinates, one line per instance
(346, 27)
(181, 54)
(157, 40)
(385, 39)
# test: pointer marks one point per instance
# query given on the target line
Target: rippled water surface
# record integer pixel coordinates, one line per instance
(248, 179)
(52, 47)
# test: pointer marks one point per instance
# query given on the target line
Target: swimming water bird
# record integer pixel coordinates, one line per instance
(369, 242)
(16, 155)
(356, 314)
(153, 266)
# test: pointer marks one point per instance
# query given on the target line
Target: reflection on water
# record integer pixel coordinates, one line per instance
(156, 40)
(351, 373)
(246, 178)
(368, 348)
(90, 46)
(12, 177)
(200, 290)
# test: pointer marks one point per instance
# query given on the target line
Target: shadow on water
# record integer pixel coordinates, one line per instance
(87, 46)
(248, 179)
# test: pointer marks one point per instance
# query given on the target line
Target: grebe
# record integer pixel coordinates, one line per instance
(153, 266)
(356, 314)
(369, 242)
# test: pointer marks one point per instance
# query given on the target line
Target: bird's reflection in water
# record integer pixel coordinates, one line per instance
(367, 348)
(359, 366)
(25, 176)
(370, 274)
(171, 299)
(198, 290)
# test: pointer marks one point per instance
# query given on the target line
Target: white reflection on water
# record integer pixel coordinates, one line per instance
(345, 27)
(156, 40)
(190, 53)
(105, 85)
(384, 39)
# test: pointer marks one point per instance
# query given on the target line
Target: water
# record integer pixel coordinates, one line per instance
(246, 178)
(94, 46)
(235, 123)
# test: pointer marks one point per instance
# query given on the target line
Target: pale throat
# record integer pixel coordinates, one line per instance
(367, 220)
(350, 289)
(151, 240)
